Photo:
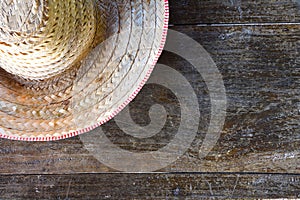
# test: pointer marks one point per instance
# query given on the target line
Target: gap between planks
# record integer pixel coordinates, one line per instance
(236, 24)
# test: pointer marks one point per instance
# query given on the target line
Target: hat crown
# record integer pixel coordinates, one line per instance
(42, 38)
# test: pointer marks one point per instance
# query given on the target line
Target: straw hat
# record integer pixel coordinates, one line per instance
(69, 66)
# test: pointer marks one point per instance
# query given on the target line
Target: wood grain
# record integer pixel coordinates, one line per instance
(234, 11)
(149, 186)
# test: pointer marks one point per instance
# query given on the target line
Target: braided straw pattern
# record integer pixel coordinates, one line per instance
(60, 34)
(91, 92)
(23, 17)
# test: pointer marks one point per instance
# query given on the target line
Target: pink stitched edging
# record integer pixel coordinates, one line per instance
(72, 134)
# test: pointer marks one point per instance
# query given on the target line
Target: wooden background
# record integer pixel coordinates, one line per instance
(255, 45)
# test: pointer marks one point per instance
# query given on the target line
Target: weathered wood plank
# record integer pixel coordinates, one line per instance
(234, 11)
(260, 68)
(149, 186)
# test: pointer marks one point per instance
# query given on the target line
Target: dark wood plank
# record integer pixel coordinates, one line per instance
(260, 68)
(149, 186)
(234, 11)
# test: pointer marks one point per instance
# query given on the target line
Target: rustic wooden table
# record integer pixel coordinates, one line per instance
(255, 46)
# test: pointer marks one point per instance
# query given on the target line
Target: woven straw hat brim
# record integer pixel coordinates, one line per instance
(89, 94)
